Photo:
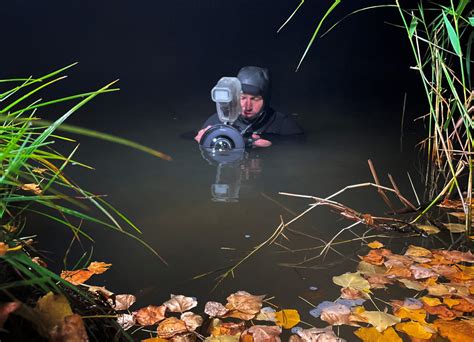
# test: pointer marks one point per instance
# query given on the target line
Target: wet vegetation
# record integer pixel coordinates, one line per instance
(437, 284)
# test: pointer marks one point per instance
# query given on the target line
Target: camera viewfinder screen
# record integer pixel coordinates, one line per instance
(221, 95)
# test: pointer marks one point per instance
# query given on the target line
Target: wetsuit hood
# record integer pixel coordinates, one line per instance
(255, 81)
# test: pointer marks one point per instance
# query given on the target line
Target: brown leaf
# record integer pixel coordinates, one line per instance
(150, 315)
(39, 261)
(415, 251)
(35, 188)
(456, 256)
(180, 303)
(76, 277)
(243, 305)
(98, 267)
(441, 311)
(191, 320)
(71, 329)
(366, 269)
(446, 271)
(411, 284)
(349, 293)
(464, 305)
(263, 333)
(185, 337)
(396, 260)
(319, 335)
(374, 257)
(455, 227)
(336, 314)
(102, 291)
(170, 327)
(378, 281)
(123, 301)
(398, 272)
(215, 309)
(6, 309)
(420, 272)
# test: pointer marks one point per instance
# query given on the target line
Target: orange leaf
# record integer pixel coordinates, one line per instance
(374, 257)
(442, 311)
(76, 277)
(3, 248)
(375, 244)
(415, 251)
(98, 267)
(150, 315)
(455, 331)
(170, 327)
(228, 329)
(450, 302)
(464, 305)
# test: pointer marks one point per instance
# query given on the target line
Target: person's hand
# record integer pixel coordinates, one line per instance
(201, 133)
(259, 142)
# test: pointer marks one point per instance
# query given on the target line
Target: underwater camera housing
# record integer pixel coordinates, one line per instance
(225, 137)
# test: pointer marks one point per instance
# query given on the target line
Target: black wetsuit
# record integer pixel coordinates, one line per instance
(271, 122)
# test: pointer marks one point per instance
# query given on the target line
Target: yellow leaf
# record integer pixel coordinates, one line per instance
(417, 315)
(428, 229)
(287, 318)
(375, 244)
(352, 280)
(415, 329)
(154, 339)
(451, 302)
(415, 251)
(380, 320)
(372, 335)
(51, 309)
(431, 301)
(455, 227)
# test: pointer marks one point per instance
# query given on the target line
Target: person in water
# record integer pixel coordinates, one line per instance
(262, 120)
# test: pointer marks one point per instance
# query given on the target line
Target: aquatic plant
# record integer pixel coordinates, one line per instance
(441, 38)
(32, 180)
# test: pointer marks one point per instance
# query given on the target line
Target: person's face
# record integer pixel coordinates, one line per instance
(251, 105)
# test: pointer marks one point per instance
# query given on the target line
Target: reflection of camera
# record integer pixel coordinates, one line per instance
(225, 136)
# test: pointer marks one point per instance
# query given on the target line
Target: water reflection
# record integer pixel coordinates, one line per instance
(235, 169)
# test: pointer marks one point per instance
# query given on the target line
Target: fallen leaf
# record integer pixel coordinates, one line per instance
(416, 330)
(455, 331)
(349, 293)
(336, 314)
(35, 188)
(373, 335)
(411, 284)
(126, 321)
(150, 314)
(352, 280)
(367, 269)
(171, 327)
(223, 338)
(464, 305)
(5, 310)
(180, 303)
(398, 272)
(266, 314)
(395, 260)
(455, 227)
(428, 229)
(226, 329)
(431, 301)
(51, 309)
(122, 301)
(456, 256)
(215, 309)
(380, 320)
(378, 281)
(446, 271)
(39, 170)
(98, 267)
(71, 328)
(76, 277)
(102, 291)
(438, 290)
(420, 272)
(243, 305)
(375, 244)
(441, 311)
(191, 320)
(319, 335)
(415, 251)
(287, 318)
(450, 302)
(154, 339)
(417, 315)
(263, 333)
(374, 257)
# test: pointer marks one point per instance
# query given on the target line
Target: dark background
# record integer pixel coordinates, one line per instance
(169, 54)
